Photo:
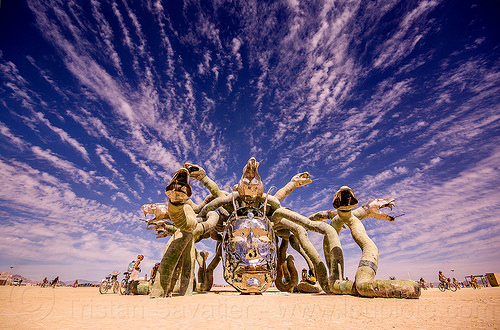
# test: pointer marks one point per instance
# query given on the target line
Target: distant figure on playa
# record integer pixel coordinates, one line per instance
(75, 284)
(134, 275)
(422, 283)
(443, 279)
(474, 282)
(457, 283)
(44, 283)
(154, 271)
(54, 282)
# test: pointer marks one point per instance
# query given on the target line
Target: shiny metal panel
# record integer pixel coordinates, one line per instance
(249, 251)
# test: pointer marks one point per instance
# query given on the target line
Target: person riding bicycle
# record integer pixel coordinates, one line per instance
(443, 279)
(475, 283)
(422, 283)
(54, 282)
(44, 282)
(114, 275)
(456, 283)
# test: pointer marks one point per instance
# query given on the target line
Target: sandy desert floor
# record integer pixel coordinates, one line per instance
(62, 308)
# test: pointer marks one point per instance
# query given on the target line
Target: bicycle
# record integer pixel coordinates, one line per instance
(124, 284)
(110, 282)
(54, 282)
(447, 286)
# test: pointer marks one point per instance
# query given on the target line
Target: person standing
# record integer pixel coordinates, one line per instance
(137, 268)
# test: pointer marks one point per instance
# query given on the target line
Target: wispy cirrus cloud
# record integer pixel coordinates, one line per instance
(406, 36)
(65, 136)
(12, 138)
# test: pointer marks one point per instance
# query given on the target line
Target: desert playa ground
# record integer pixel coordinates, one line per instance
(62, 308)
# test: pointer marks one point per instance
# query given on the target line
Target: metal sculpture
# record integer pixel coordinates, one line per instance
(248, 224)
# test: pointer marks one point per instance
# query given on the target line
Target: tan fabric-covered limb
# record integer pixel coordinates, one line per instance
(287, 277)
(364, 282)
(312, 253)
(182, 216)
(211, 186)
(331, 243)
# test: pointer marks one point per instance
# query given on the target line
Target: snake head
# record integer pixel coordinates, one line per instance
(301, 179)
(195, 171)
(250, 187)
(373, 207)
(159, 210)
(179, 189)
(146, 208)
(344, 199)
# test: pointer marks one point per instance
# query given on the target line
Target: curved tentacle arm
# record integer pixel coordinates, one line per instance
(212, 187)
(370, 209)
(298, 180)
(331, 243)
(312, 253)
(201, 258)
(285, 233)
(209, 273)
(218, 202)
(323, 215)
(294, 242)
(365, 282)
(174, 251)
(198, 207)
(222, 201)
(198, 173)
(286, 277)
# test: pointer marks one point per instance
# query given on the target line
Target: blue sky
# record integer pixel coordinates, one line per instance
(102, 101)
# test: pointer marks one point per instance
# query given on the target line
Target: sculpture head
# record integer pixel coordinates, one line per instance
(195, 171)
(301, 179)
(250, 187)
(249, 251)
(159, 210)
(344, 199)
(179, 189)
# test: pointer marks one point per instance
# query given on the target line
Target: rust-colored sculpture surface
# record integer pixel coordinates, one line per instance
(253, 233)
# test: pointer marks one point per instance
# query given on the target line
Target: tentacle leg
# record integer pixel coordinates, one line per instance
(365, 283)
(209, 273)
(312, 253)
(188, 260)
(294, 242)
(201, 258)
(179, 241)
(332, 245)
(287, 277)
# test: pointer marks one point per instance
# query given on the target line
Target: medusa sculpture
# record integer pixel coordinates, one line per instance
(248, 224)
